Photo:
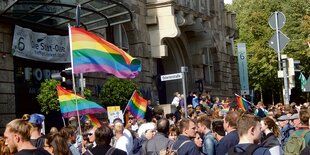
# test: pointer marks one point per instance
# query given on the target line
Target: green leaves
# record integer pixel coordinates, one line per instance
(48, 96)
(117, 92)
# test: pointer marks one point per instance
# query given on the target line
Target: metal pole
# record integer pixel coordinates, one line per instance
(278, 44)
(286, 93)
(82, 84)
(184, 70)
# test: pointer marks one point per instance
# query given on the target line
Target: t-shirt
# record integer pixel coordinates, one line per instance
(32, 152)
(258, 151)
(123, 144)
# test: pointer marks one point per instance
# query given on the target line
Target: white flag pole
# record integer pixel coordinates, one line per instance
(128, 103)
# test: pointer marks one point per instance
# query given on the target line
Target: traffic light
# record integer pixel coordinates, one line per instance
(291, 73)
(67, 79)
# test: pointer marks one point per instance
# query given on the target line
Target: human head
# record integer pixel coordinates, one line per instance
(163, 125)
(91, 134)
(103, 135)
(282, 120)
(249, 126)
(73, 121)
(304, 115)
(173, 133)
(260, 105)
(218, 129)
(188, 127)
(147, 130)
(118, 128)
(69, 133)
(230, 120)
(4, 150)
(197, 140)
(16, 132)
(58, 143)
(295, 119)
(270, 124)
(204, 124)
(36, 120)
(26, 117)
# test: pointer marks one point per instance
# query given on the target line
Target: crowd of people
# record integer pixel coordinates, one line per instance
(213, 127)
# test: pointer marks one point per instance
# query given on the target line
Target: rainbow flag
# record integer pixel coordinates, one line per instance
(94, 121)
(242, 103)
(93, 54)
(137, 105)
(67, 100)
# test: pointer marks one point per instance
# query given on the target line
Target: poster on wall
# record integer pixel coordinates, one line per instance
(40, 46)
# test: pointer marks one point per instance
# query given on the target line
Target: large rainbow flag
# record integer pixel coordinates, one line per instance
(67, 100)
(242, 103)
(137, 105)
(93, 54)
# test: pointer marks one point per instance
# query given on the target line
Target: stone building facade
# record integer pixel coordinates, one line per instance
(164, 34)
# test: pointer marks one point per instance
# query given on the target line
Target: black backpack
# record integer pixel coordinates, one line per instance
(248, 151)
(305, 151)
(261, 113)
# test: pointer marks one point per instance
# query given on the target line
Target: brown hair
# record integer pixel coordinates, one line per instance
(245, 122)
(103, 135)
(184, 124)
(67, 131)
(304, 115)
(173, 129)
(58, 143)
(231, 118)
(205, 120)
(21, 127)
(272, 126)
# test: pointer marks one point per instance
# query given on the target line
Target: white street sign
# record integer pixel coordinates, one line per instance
(169, 77)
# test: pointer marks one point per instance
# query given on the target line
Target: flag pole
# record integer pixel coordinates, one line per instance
(128, 102)
(73, 80)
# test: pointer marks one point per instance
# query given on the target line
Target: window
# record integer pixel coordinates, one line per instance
(117, 36)
(208, 68)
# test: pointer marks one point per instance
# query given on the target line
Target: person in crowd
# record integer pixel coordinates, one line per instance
(295, 121)
(249, 130)
(69, 133)
(17, 138)
(260, 110)
(176, 99)
(195, 100)
(103, 136)
(232, 137)
(209, 143)
(160, 141)
(184, 145)
(198, 141)
(37, 139)
(189, 98)
(286, 129)
(145, 133)
(173, 133)
(87, 126)
(122, 142)
(218, 131)
(56, 144)
(89, 139)
(133, 124)
(127, 133)
(4, 150)
(270, 136)
(53, 130)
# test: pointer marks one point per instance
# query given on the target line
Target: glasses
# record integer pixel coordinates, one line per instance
(89, 134)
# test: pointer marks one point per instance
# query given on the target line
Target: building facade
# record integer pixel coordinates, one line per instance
(164, 34)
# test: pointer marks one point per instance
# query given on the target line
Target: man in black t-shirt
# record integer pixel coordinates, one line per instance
(17, 138)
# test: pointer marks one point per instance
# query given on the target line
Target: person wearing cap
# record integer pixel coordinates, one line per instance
(37, 138)
(295, 120)
(286, 129)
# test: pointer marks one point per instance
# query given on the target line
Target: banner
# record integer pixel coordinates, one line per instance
(116, 114)
(243, 69)
(40, 46)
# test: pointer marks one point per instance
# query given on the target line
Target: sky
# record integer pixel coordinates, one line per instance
(227, 1)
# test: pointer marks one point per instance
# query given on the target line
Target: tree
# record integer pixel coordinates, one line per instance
(117, 92)
(48, 96)
(252, 23)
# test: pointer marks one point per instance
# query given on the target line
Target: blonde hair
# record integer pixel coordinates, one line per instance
(118, 127)
(21, 127)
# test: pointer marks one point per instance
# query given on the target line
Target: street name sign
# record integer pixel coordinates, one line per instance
(169, 77)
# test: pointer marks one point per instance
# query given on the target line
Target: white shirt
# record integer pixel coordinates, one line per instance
(175, 101)
(123, 144)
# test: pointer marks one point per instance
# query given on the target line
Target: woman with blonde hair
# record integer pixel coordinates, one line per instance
(271, 134)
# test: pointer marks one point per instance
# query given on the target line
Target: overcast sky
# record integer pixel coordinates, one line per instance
(227, 1)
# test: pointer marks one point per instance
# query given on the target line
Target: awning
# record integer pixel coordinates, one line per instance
(94, 15)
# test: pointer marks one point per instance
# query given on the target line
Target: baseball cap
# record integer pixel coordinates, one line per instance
(295, 116)
(36, 119)
(283, 118)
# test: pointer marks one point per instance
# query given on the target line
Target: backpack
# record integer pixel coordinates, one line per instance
(261, 113)
(305, 151)
(295, 143)
(170, 151)
(248, 151)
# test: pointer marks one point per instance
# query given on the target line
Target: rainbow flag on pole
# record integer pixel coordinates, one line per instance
(137, 105)
(94, 121)
(68, 107)
(93, 54)
(242, 103)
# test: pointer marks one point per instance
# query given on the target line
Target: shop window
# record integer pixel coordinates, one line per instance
(208, 67)
(117, 35)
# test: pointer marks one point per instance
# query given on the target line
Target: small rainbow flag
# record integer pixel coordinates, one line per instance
(94, 121)
(67, 100)
(93, 54)
(137, 105)
(242, 103)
